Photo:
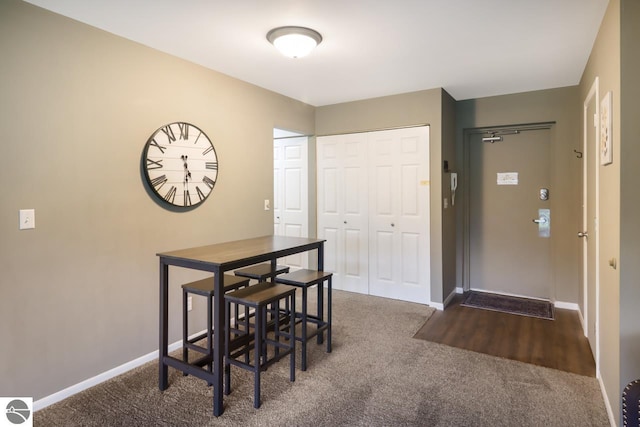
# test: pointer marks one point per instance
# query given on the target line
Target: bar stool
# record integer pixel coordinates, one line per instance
(304, 279)
(238, 339)
(204, 287)
(261, 272)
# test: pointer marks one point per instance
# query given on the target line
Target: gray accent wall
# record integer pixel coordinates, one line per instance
(561, 107)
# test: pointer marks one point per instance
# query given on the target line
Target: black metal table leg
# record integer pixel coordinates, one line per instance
(218, 342)
(163, 327)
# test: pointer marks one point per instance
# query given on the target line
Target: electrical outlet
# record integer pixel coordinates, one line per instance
(189, 303)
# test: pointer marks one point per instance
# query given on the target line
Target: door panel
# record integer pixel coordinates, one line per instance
(342, 209)
(507, 254)
(290, 203)
(399, 217)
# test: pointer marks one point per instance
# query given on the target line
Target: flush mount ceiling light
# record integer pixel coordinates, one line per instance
(294, 42)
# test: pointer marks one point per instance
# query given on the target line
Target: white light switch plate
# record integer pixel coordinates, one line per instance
(27, 219)
(267, 205)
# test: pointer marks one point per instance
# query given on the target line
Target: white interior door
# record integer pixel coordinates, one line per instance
(343, 209)
(399, 250)
(290, 187)
(590, 220)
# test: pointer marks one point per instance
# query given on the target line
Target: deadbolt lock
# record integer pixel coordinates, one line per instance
(544, 194)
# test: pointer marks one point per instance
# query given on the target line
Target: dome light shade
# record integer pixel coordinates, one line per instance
(294, 42)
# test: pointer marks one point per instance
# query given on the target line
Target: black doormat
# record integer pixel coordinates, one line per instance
(508, 304)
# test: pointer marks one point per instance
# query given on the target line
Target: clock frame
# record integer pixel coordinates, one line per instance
(180, 164)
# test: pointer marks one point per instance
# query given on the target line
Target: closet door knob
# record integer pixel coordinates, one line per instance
(393, 225)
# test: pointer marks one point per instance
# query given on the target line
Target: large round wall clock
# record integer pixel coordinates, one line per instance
(180, 164)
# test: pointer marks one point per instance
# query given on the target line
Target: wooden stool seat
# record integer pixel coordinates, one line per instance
(204, 287)
(259, 297)
(304, 279)
(261, 272)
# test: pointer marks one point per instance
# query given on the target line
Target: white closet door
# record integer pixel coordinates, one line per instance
(399, 252)
(290, 201)
(342, 173)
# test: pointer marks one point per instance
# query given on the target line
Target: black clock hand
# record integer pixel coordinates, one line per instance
(187, 174)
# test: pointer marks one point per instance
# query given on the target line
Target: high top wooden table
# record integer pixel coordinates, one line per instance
(217, 259)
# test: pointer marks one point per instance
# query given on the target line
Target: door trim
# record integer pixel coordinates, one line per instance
(593, 92)
(466, 168)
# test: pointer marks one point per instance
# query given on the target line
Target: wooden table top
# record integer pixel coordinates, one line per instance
(244, 250)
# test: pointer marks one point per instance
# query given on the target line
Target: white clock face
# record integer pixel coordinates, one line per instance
(180, 164)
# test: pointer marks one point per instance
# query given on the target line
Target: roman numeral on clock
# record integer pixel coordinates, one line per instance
(187, 198)
(169, 132)
(208, 150)
(158, 182)
(212, 165)
(171, 194)
(184, 130)
(154, 143)
(154, 164)
(201, 195)
(208, 181)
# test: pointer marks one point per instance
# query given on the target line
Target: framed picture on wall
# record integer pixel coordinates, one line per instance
(606, 145)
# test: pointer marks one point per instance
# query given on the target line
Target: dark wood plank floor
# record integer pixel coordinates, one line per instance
(558, 344)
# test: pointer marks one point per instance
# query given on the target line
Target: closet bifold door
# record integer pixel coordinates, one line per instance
(399, 190)
(343, 209)
(374, 211)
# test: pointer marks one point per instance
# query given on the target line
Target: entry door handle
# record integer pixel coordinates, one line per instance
(544, 222)
(583, 234)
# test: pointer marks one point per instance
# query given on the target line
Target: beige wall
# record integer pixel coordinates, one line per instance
(604, 62)
(553, 105)
(629, 194)
(80, 292)
(416, 108)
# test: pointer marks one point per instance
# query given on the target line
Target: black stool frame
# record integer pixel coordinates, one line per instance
(204, 287)
(304, 279)
(237, 350)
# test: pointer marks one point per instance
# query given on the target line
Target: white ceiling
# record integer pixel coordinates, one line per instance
(471, 48)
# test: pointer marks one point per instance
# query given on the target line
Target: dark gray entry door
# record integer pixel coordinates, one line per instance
(509, 253)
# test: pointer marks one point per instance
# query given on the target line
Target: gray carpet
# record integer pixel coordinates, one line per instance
(377, 375)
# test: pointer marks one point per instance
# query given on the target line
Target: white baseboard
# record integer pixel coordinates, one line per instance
(100, 378)
(567, 305)
(436, 305)
(447, 300)
(612, 419)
